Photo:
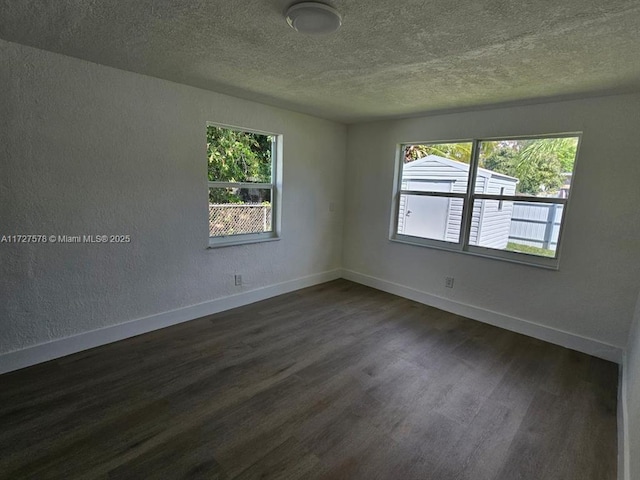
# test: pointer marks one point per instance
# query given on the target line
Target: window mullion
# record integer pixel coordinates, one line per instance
(521, 198)
(467, 210)
(240, 185)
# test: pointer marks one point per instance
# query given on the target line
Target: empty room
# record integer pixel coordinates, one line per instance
(319, 240)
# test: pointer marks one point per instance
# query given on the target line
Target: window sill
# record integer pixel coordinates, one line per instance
(220, 242)
(505, 256)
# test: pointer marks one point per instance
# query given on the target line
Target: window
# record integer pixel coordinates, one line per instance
(243, 193)
(502, 198)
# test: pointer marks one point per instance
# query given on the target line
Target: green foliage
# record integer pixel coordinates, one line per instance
(236, 156)
(561, 149)
(460, 152)
(501, 160)
(538, 172)
(541, 164)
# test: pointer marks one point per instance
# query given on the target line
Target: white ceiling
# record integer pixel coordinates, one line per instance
(389, 59)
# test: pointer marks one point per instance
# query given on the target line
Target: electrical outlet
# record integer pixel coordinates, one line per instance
(448, 282)
(238, 280)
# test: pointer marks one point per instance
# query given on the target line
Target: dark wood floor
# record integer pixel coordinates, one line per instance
(338, 381)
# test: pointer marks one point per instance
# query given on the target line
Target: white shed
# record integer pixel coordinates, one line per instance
(439, 217)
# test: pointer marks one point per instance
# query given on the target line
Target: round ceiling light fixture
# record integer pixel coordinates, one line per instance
(313, 18)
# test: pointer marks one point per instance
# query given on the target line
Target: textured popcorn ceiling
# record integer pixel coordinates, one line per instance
(389, 59)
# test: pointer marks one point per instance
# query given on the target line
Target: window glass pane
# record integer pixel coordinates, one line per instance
(431, 217)
(525, 227)
(236, 156)
(540, 167)
(234, 211)
(440, 167)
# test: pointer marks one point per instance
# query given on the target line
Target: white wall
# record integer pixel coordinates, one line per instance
(631, 381)
(86, 149)
(594, 292)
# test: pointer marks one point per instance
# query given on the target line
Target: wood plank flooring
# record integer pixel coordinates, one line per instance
(337, 381)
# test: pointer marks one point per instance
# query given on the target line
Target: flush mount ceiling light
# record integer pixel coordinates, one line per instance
(313, 18)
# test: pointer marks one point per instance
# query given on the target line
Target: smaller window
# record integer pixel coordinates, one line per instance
(242, 187)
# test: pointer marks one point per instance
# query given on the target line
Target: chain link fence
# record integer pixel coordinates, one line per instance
(233, 219)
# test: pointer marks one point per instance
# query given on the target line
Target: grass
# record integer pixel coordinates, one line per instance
(543, 252)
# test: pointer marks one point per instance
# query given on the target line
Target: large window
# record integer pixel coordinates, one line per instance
(503, 198)
(243, 191)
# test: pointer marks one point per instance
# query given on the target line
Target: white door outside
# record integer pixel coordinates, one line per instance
(426, 217)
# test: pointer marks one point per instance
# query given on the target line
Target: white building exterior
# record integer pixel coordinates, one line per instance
(439, 217)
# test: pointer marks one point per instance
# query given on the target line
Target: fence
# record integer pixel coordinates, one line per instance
(232, 219)
(536, 224)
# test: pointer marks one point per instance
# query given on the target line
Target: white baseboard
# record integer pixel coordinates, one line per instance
(623, 424)
(525, 327)
(65, 346)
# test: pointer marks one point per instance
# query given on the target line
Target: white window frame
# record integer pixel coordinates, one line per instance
(276, 194)
(468, 198)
